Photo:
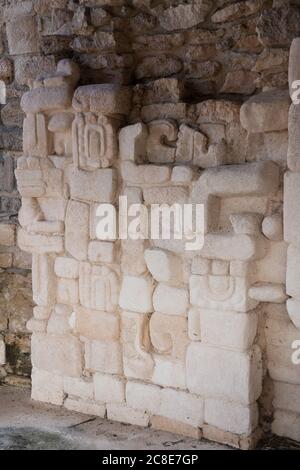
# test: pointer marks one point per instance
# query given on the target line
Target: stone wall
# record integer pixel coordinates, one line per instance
(141, 331)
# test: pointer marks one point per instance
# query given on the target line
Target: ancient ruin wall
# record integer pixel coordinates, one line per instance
(141, 331)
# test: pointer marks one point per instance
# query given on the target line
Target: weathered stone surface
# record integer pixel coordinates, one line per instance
(158, 66)
(26, 69)
(22, 35)
(164, 266)
(47, 387)
(125, 414)
(237, 10)
(170, 300)
(293, 156)
(257, 114)
(239, 373)
(109, 388)
(97, 186)
(106, 99)
(168, 334)
(104, 356)
(136, 294)
(230, 416)
(241, 82)
(77, 230)
(279, 26)
(6, 70)
(291, 205)
(96, 325)
(185, 16)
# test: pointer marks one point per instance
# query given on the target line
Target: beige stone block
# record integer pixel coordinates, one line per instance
(43, 280)
(36, 326)
(293, 308)
(141, 396)
(66, 267)
(136, 294)
(228, 246)
(81, 388)
(292, 274)
(49, 353)
(85, 407)
(221, 293)
(182, 174)
(7, 234)
(184, 16)
(138, 362)
(104, 356)
(161, 132)
(272, 268)
(182, 406)
(168, 334)
(272, 227)
(58, 323)
(132, 142)
(125, 414)
(96, 325)
(220, 268)
(224, 374)
(228, 329)
(267, 292)
(132, 257)
(77, 230)
(98, 287)
(286, 424)
(102, 252)
(230, 416)
(47, 387)
(169, 372)
(107, 99)
(43, 99)
(280, 365)
(67, 291)
(164, 266)
(6, 260)
(175, 427)
(170, 300)
(167, 195)
(246, 223)
(200, 265)
(144, 174)
(257, 114)
(286, 397)
(41, 313)
(291, 207)
(92, 186)
(194, 324)
(2, 352)
(293, 138)
(109, 388)
(22, 35)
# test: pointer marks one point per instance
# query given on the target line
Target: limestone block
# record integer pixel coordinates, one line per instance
(194, 324)
(52, 208)
(182, 406)
(293, 308)
(286, 397)
(293, 145)
(22, 35)
(175, 427)
(200, 265)
(77, 229)
(85, 407)
(6, 260)
(82, 388)
(7, 234)
(96, 325)
(246, 223)
(267, 292)
(41, 313)
(36, 326)
(286, 424)
(164, 266)
(134, 195)
(168, 335)
(170, 300)
(257, 114)
(42, 99)
(291, 207)
(94, 140)
(47, 387)
(67, 291)
(125, 414)
(104, 356)
(294, 68)
(162, 134)
(221, 293)
(58, 323)
(136, 294)
(36, 139)
(228, 329)
(2, 352)
(43, 280)
(228, 246)
(237, 11)
(6, 70)
(207, 155)
(272, 227)
(132, 257)
(49, 353)
(143, 396)
(138, 363)
(39, 179)
(106, 99)
(280, 365)
(239, 373)
(144, 174)
(167, 195)
(66, 267)
(97, 186)
(102, 252)
(185, 144)
(272, 268)
(98, 287)
(169, 372)
(39, 244)
(109, 388)
(184, 16)
(230, 416)
(157, 66)
(182, 174)
(292, 274)
(132, 142)
(219, 268)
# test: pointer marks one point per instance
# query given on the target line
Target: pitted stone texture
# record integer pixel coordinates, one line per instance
(136, 294)
(22, 35)
(185, 16)
(106, 99)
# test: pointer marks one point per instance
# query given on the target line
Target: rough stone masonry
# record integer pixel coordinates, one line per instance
(165, 101)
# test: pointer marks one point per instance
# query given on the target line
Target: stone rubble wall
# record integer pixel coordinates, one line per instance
(144, 332)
